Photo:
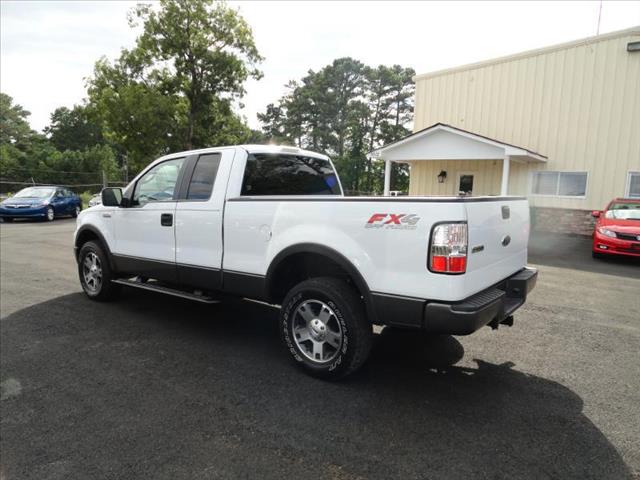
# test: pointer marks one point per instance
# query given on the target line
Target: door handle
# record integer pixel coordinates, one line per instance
(166, 219)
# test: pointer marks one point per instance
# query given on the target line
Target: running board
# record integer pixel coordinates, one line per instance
(166, 290)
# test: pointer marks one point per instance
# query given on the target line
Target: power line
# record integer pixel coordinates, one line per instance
(36, 184)
(44, 170)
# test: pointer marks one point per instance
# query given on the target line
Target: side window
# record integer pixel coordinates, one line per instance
(276, 174)
(158, 184)
(68, 193)
(204, 176)
(59, 193)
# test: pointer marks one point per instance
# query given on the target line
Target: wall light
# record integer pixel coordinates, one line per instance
(633, 47)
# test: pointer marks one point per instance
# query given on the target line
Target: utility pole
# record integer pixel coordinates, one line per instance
(104, 179)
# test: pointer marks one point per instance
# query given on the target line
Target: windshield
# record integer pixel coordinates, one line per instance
(624, 211)
(35, 192)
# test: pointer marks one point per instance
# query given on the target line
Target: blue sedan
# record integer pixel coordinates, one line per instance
(45, 203)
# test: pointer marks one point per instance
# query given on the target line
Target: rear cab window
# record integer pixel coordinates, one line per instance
(283, 174)
(203, 177)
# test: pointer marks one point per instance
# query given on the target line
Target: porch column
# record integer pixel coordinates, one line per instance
(387, 177)
(504, 188)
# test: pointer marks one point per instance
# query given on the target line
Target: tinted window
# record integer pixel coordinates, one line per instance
(204, 175)
(159, 183)
(276, 174)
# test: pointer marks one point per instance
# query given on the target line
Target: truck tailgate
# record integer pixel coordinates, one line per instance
(498, 237)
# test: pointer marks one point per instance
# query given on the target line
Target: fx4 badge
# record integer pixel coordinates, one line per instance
(396, 221)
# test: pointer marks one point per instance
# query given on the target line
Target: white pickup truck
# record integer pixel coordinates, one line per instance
(271, 224)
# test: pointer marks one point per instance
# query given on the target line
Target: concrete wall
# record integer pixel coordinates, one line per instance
(577, 103)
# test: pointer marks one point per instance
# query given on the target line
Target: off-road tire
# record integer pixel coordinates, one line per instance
(348, 309)
(107, 290)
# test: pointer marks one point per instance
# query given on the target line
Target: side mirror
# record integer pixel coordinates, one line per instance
(596, 213)
(111, 197)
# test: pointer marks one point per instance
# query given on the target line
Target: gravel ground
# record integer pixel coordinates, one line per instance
(156, 387)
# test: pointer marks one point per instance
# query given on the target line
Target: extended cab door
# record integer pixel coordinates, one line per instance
(145, 230)
(199, 242)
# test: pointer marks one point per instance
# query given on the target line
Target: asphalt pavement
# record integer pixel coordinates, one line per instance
(157, 387)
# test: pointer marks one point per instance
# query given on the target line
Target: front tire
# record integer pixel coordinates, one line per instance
(324, 327)
(95, 273)
(50, 214)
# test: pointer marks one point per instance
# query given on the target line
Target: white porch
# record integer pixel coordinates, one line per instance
(441, 144)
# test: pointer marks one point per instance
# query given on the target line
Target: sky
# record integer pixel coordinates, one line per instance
(48, 48)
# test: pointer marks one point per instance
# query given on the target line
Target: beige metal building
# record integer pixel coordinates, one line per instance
(560, 125)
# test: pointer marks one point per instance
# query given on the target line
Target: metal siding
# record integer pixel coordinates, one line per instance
(577, 105)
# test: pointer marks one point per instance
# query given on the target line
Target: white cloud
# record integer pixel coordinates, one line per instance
(49, 47)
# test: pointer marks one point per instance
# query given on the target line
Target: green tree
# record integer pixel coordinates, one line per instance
(17, 140)
(73, 129)
(347, 109)
(175, 89)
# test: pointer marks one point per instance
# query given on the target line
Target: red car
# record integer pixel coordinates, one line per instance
(618, 228)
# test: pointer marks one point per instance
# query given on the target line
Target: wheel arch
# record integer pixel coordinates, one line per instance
(85, 234)
(306, 260)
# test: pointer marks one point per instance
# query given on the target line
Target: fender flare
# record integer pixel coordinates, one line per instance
(94, 230)
(333, 255)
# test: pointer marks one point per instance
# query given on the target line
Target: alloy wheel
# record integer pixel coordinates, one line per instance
(92, 272)
(317, 331)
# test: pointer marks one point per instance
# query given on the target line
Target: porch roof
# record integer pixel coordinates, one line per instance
(444, 142)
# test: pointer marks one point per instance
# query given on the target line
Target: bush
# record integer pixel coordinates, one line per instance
(86, 196)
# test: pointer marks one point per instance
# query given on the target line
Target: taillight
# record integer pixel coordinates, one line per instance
(448, 248)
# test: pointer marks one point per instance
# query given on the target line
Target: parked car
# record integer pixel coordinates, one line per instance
(44, 202)
(95, 200)
(271, 224)
(617, 230)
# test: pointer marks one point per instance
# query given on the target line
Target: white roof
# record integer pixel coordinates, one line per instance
(251, 148)
(444, 142)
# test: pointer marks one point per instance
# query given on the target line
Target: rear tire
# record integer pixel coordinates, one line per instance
(95, 273)
(76, 211)
(324, 327)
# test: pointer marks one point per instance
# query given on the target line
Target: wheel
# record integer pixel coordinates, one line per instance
(76, 211)
(50, 214)
(95, 273)
(596, 255)
(324, 326)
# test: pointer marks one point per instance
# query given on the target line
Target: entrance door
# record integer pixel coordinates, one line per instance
(465, 183)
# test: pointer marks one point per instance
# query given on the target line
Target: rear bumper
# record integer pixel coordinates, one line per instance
(491, 306)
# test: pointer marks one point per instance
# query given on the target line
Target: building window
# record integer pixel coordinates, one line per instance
(633, 185)
(559, 184)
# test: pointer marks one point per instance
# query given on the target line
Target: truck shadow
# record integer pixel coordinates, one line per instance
(161, 387)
